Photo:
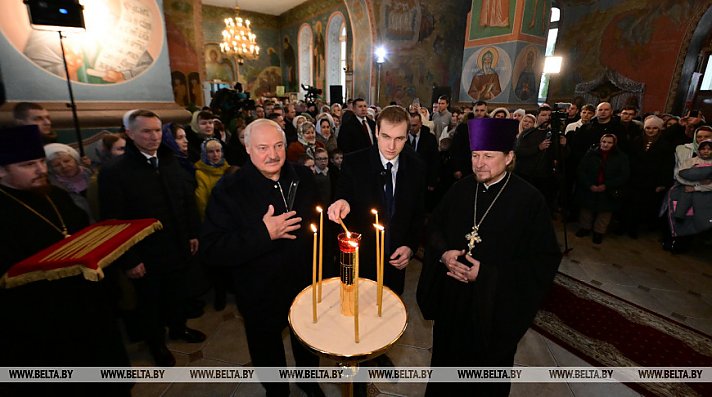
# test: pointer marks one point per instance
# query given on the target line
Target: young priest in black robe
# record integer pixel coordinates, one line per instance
(490, 259)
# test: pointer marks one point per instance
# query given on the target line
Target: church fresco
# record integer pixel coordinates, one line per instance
(316, 14)
(486, 74)
(527, 70)
(120, 56)
(536, 17)
(255, 75)
(491, 18)
(122, 40)
(626, 36)
(411, 70)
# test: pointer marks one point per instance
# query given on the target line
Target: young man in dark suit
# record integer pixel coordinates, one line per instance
(388, 177)
(396, 191)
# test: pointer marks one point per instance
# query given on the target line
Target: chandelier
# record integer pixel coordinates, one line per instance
(238, 39)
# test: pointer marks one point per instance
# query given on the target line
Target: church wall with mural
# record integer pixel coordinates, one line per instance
(319, 22)
(639, 40)
(184, 38)
(424, 42)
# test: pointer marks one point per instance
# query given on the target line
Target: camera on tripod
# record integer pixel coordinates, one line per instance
(558, 117)
(312, 95)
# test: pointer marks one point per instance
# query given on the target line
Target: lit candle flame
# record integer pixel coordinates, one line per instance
(313, 228)
(374, 212)
(377, 226)
(318, 209)
(353, 244)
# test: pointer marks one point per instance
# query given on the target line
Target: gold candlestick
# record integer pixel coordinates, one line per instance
(314, 276)
(346, 258)
(321, 248)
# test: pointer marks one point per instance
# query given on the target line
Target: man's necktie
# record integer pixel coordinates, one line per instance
(389, 189)
(390, 206)
(153, 161)
(365, 129)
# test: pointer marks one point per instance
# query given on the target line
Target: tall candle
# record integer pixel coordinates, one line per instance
(381, 265)
(314, 276)
(357, 339)
(321, 247)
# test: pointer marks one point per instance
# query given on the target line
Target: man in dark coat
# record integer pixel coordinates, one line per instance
(484, 297)
(66, 322)
(253, 224)
(148, 182)
(424, 143)
(357, 131)
(364, 185)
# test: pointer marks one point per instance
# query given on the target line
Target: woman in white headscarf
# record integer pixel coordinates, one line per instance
(305, 145)
(325, 131)
(66, 172)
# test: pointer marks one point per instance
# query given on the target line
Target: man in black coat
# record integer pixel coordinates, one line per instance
(148, 182)
(364, 184)
(425, 144)
(253, 225)
(356, 132)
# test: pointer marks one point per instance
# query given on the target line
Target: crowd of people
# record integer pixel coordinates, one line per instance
(233, 196)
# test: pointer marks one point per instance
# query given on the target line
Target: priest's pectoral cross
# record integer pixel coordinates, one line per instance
(473, 238)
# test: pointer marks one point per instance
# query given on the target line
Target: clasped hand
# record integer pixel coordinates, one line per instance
(458, 270)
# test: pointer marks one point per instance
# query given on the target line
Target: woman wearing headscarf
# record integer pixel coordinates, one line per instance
(651, 174)
(528, 121)
(601, 174)
(298, 120)
(500, 113)
(208, 171)
(306, 143)
(174, 137)
(690, 150)
(67, 172)
(325, 131)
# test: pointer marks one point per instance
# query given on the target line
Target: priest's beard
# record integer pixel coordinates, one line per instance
(43, 188)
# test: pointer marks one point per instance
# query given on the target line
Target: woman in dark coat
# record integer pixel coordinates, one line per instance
(652, 160)
(601, 175)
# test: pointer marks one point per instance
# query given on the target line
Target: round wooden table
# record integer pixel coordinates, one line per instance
(332, 336)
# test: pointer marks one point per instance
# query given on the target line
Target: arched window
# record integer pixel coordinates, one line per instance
(306, 47)
(550, 47)
(335, 53)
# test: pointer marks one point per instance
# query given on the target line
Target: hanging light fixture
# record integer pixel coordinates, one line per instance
(238, 39)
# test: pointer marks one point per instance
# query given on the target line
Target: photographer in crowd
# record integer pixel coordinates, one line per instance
(539, 151)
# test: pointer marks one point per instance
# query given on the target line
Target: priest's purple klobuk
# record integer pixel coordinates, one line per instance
(495, 135)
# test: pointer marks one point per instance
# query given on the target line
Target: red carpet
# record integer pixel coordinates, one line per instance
(608, 331)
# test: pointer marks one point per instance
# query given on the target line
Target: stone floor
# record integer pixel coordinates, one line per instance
(676, 286)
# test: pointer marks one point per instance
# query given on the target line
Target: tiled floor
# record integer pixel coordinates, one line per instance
(676, 286)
